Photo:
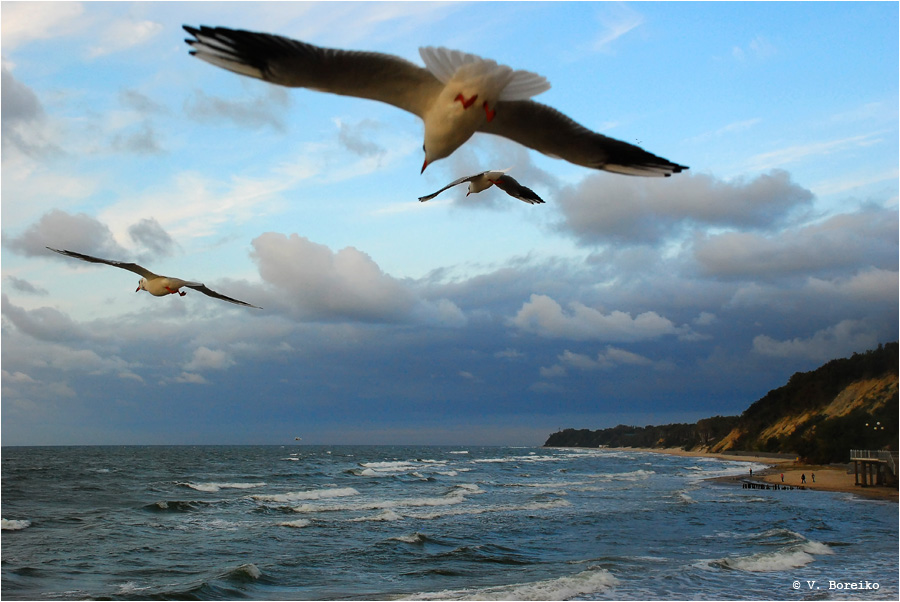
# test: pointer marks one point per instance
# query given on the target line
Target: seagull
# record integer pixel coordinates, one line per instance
(486, 179)
(456, 94)
(156, 285)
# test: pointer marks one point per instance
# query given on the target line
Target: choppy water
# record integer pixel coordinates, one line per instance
(424, 523)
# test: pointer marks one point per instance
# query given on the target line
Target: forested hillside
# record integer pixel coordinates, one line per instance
(848, 403)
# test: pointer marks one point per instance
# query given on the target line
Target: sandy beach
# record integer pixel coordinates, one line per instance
(828, 478)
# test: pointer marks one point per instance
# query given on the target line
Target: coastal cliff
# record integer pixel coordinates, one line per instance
(819, 416)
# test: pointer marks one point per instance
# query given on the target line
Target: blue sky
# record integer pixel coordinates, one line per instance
(466, 320)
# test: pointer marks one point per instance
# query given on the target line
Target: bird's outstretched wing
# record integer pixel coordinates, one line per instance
(286, 62)
(451, 185)
(211, 293)
(510, 186)
(546, 130)
(131, 267)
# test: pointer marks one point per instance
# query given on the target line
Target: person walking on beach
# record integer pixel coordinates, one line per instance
(803, 478)
(782, 477)
(751, 473)
(813, 475)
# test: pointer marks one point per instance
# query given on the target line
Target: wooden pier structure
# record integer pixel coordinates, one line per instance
(877, 467)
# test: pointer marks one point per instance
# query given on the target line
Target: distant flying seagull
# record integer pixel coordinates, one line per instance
(456, 94)
(486, 179)
(154, 284)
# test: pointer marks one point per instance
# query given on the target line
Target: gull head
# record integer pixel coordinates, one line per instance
(142, 285)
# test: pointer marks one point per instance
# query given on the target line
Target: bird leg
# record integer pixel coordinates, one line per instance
(465, 103)
(488, 112)
(171, 292)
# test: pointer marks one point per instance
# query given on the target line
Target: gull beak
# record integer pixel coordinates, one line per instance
(424, 165)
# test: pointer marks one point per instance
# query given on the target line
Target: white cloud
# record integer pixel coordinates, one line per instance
(24, 22)
(314, 282)
(191, 378)
(616, 20)
(791, 154)
(840, 340)
(865, 238)
(606, 208)
(758, 48)
(545, 317)
(122, 34)
(607, 359)
(208, 359)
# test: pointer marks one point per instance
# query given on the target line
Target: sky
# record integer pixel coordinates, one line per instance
(463, 320)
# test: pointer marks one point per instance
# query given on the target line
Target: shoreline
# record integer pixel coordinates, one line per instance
(828, 478)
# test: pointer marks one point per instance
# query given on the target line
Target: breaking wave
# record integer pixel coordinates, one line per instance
(14, 525)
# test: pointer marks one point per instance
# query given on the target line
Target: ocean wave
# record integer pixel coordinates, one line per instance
(530, 507)
(450, 499)
(592, 581)
(384, 516)
(14, 525)
(790, 557)
(175, 506)
(244, 572)
(214, 487)
(313, 494)
(297, 524)
(413, 538)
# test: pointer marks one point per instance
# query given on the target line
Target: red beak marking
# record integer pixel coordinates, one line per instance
(465, 103)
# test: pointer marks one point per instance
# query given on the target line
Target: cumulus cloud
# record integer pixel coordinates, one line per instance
(607, 359)
(357, 137)
(21, 129)
(840, 340)
(150, 234)
(317, 283)
(191, 378)
(543, 316)
(61, 230)
(141, 141)
(24, 22)
(44, 323)
(865, 238)
(264, 109)
(122, 34)
(208, 359)
(23, 286)
(609, 208)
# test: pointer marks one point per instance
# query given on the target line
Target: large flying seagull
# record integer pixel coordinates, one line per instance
(456, 94)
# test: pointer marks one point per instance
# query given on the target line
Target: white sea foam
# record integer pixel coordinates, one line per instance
(384, 516)
(459, 452)
(213, 487)
(475, 510)
(591, 581)
(14, 525)
(453, 498)
(296, 524)
(790, 557)
(413, 538)
(130, 588)
(313, 494)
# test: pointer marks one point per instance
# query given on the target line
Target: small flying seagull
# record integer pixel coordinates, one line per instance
(455, 94)
(155, 284)
(486, 179)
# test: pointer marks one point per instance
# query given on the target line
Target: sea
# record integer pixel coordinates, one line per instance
(300, 522)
